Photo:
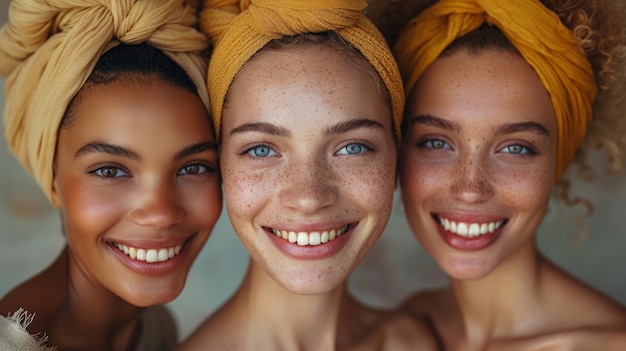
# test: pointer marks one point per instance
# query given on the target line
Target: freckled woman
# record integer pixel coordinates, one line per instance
(500, 96)
(307, 98)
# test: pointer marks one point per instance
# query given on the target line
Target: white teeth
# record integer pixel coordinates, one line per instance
(312, 238)
(469, 230)
(150, 255)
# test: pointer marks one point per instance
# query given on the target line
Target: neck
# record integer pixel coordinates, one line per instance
(271, 317)
(91, 317)
(503, 304)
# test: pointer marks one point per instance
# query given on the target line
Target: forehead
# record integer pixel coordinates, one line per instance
(493, 83)
(306, 62)
(297, 80)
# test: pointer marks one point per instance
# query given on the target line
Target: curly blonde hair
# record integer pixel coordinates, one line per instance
(600, 26)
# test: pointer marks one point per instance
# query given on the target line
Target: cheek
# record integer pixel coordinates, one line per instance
(372, 187)
(419, 179)
(529, 189)
(245, 190)
(206, 207)
(85, 207)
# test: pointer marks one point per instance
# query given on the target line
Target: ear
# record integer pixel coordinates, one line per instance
(55, 196)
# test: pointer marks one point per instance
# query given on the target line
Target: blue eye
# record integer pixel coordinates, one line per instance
(109, 172)
(517, 149)
(437, 144)
(194, 169)
(352, 149)
(261, 151)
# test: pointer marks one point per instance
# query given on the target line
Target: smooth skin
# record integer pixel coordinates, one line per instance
(307, 147)
(481, 148)
(136, 166)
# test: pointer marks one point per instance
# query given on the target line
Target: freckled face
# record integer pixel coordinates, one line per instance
(308, 162)
(478, 162)
(136, 180)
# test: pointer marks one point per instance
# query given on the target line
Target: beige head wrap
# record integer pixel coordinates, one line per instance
(238, 29)
(548, 46)
(49, 48)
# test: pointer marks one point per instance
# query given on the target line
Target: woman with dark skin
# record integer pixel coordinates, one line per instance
(129, 159)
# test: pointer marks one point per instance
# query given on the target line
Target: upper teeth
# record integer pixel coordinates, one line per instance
(469, 230)
(312, 238)
(150, 255)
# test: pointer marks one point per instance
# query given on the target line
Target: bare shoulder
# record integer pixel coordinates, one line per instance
(214, 333)
(397, 331)
(40, 295)
(403, 331)
(571, 340)
(581, 307)
(425, 303)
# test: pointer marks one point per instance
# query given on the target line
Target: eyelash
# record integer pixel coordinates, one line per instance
(249, 151)
(208, 168)
(364, 148)
(528, 150)
(111, 166)
(96, 171)
(427, 144)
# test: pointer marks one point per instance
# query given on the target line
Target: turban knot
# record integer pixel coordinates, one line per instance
(546, 44)
(49, 48)
(238, 29)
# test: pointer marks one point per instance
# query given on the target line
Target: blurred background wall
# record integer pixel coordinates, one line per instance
(30, 238)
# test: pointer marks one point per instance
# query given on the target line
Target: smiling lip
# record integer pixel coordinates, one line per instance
(313, 245)
(151, 258)
(469, 235)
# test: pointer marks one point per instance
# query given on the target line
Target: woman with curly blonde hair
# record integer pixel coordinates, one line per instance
(500, 97)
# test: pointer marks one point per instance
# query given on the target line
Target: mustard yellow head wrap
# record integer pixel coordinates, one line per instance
(238, 29)
(549, 47)
(49, 48)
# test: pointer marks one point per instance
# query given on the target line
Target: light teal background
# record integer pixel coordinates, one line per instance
(30, 238)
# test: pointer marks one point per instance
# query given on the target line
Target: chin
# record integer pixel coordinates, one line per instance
(467, 268)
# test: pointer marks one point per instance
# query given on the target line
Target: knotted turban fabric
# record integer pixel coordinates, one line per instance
(238, 29)
(49, 48)
(548, 46)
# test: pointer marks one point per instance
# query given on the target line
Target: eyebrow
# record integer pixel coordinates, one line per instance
(435, 122)
(110, 149)
(532, 127)
(261, 127)
(196, 149)
(344, 127)
(509, 128)
(117, 150)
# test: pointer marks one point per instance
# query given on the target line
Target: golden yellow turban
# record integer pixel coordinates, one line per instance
(549, 47)
(49, 48)
(238, 29)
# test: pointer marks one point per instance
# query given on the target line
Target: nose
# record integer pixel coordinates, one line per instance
(308, 186)
(472, 181)
(158, 206)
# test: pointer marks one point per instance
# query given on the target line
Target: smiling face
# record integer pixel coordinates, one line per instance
(137, 183)
(308, 163)
(478, 163)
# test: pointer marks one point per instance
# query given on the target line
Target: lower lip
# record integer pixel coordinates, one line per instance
(468, 244)
(312, 252)
(153, 268)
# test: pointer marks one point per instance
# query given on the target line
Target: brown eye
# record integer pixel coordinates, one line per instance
(194, 169)
(109, 172)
